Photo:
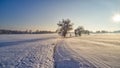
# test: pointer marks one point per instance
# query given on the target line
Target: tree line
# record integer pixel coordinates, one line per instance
(65, 26)
(3, 31)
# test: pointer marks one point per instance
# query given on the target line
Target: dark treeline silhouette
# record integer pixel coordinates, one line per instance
(105, 31)
(102, 31)
(118, 31)
(3, 31)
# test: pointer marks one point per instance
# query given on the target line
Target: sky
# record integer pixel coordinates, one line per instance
(45, 14)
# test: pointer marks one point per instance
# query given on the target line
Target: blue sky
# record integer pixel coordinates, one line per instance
(45, 14)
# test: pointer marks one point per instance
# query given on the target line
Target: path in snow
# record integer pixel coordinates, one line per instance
(64, 58)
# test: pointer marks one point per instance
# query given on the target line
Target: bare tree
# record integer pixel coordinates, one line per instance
(64, 26)
(79, 30)
(86, 32)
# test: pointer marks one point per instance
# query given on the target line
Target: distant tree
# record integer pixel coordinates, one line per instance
(37, 32)
(64, 26)
(79, 30)
(87, 32)
(30, 31)
(75, 31)
(0, 32)
(103, 31)
(26, 31)
(98, 31)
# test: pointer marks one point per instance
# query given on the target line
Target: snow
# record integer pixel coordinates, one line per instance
(26, 51)
(52, 51)
(100, 54)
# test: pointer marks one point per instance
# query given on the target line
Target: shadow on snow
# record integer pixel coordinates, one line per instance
(61, 62)
(67, 64)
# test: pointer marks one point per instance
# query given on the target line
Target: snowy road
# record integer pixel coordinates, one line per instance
(51, 51)
(65, 57)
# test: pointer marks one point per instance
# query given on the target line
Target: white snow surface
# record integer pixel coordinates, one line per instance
(27, 51)
(52, 51)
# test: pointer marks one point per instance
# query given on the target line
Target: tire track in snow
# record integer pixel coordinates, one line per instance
(65, 59)
(95, 60)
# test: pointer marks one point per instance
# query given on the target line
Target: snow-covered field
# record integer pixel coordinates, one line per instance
(27, 51)
(52, 51)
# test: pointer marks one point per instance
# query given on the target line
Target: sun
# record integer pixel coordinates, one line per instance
(116, 18)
